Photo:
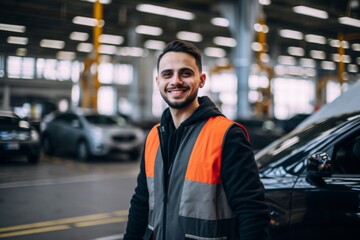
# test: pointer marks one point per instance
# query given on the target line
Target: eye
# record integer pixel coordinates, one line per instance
(186, 73)
(166, 74)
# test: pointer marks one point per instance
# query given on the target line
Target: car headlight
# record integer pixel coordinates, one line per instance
(35, 135)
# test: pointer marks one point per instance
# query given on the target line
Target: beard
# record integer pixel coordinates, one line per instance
(182, 104)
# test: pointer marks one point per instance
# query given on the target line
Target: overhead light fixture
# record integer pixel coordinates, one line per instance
(261, 28)
(315, 39)
(353, 68)
(111, 39)
(221, 22)
(21, 52)
(264, 2)
(148, 30)
(337, 43)
(343, 58)
(327, 65)
(309, 11)
(349, 21)
(256, 46)
(316, 54)
(154, 44)
(48, 43)
(355, 47)
(215, 52)
(101, 1)
(84, 47)
(132, 51)
(307, 62)
(12, 28)
(164, 11)
(189, 36)
(87, 21)
(65, 55)
(225, 41)
(17, 40)
(107, 49)
(286, 60)
(296, 51)
(287, 33)
(79, 36)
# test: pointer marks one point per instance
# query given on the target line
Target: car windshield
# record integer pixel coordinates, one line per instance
(101, 119)
(9, 120)
(285, 146)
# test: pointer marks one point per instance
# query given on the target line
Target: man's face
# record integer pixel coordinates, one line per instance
(179, 79)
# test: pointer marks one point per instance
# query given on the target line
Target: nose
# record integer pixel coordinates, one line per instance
(176, 79)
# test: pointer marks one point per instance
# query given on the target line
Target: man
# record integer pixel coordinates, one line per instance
(198, 178)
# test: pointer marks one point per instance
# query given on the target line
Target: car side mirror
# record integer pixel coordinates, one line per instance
(319, 165)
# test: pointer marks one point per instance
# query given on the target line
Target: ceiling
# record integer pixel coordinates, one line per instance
(53, 20)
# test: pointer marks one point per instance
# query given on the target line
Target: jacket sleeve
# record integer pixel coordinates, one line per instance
(243, 187)
(139, 207)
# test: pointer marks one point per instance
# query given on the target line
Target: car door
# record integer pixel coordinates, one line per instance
(329, 207)
(71, 131)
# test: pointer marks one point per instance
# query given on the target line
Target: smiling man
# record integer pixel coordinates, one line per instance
(198, 178)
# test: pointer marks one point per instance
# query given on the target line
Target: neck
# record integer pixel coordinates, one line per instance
(180, 115)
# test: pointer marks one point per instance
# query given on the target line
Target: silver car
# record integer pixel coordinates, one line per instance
(89, 134)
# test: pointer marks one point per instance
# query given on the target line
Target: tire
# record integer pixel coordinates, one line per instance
(33, 159)
(82, 153)
(47, 146)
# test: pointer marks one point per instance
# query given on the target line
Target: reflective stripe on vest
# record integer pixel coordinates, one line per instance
(196, 194)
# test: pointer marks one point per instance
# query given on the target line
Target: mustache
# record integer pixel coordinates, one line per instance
(177, 88)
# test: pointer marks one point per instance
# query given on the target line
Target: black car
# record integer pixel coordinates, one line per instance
(17, 137)
(312, 180)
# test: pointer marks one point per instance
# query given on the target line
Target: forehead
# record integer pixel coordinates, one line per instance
(175, 60)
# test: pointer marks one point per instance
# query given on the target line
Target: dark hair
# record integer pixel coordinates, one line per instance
(182, 46)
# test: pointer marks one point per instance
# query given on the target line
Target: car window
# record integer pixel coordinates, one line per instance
(68, 118)
(346, 157)
(100, 119)
(289, 145)
(9, 120)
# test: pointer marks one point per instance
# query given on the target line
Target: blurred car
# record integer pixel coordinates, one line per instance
(312, 180)
(17, 137)
(89, 134)
(290, 124)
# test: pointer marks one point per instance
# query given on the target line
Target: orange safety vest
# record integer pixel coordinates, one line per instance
(195, 205)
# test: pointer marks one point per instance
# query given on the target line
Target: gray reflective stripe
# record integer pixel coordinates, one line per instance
(150, 185)
(204, 238)
(204, 201)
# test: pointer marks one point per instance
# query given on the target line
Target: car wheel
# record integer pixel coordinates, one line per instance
(83, 153)
(33, 159)
(47, 146)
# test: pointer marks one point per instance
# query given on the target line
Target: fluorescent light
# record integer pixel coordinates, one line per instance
(296, 51)
(315, 39)
(349, 21)
(107, 49)
(21, 52)
(132, 51)
(352, 68)
(256, 46)
(336, 43)
(317, 54)
(327, 65)
(65, 55)
(189, 36)
(101, 1)
(286, 60)
(355, 47)
(111, 39)
(148, 30)
(84, 47)
(265, 2)
(215, 52)
(313, 12)
(48, 43)
(344, 58)
(261, 28)
(221, 22)
(168, 12)
(154, 44)
(287, 33)
(79, 36)
(17, 40)
(307, 62)
(87, 21)
(225, 41)
(12, 28)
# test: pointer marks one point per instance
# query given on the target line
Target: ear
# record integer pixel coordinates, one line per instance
(202, 80)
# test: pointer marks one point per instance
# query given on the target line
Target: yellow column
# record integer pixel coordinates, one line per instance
(98, 15)
(341, 69)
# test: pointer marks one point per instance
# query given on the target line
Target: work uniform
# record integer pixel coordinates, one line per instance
(193, 188)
